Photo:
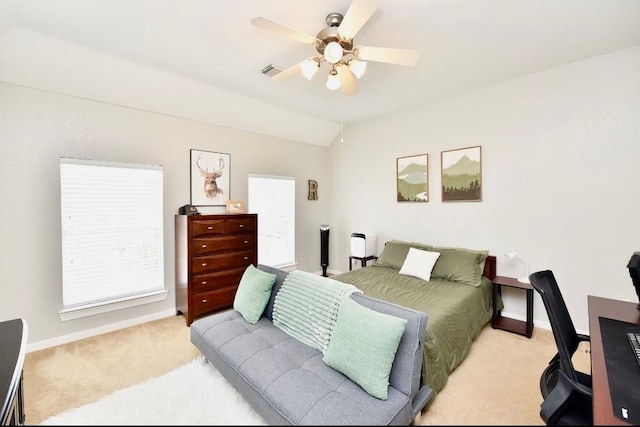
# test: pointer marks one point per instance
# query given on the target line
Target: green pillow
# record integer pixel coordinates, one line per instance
(253, 293)
(459, 265)
(363, 346)
(395, 251)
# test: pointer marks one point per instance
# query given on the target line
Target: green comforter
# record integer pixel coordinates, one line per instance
(456, 313)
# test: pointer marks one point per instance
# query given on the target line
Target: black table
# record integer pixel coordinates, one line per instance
(363, 260)
(13, 341)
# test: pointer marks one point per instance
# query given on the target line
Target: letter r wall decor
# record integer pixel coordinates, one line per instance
(210, 178)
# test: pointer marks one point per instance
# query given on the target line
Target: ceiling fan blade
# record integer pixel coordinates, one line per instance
(288, 72)
(267, 24)
(348, 81)
(357, 15)
(405, 57)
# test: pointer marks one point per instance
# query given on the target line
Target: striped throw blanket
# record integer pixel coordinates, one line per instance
(306, 307)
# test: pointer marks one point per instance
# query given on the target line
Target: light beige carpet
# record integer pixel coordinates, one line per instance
(497, 384)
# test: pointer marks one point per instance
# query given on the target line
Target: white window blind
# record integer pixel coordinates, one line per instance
(112, 235)
(273, 198)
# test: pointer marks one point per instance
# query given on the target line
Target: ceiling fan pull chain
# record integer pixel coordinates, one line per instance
(341, 117)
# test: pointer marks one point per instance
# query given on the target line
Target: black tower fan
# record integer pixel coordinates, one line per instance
(324, 248)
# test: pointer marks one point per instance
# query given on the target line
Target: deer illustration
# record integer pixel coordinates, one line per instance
(211, 189)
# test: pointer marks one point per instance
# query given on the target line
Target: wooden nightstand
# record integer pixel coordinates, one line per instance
(363, 261)
(498, 321)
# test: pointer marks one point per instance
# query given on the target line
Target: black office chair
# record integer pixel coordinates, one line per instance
(567, 394)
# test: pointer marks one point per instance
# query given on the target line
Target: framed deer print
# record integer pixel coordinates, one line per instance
(462, 175)
(210, 178)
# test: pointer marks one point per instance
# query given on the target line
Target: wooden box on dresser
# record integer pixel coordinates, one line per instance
(212, 253)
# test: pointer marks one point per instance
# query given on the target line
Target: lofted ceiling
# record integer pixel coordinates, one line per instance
(463, 45)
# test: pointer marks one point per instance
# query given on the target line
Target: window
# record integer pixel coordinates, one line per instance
(273, 198)
(112, 236)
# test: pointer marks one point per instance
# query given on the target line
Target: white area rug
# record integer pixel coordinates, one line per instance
(194, 394)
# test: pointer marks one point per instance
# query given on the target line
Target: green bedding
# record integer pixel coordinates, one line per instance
(456, 313)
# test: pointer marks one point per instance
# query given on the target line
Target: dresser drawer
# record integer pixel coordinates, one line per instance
(240, 225)
(205, 302)
(218, 280)
(217, 262)
(207, 245)
(204, 227)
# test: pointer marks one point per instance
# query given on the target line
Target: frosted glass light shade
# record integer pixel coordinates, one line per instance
(357, 67)
(309, 68)
(333, 81)
(333, 52)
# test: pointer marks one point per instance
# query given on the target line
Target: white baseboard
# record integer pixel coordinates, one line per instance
(40, 345)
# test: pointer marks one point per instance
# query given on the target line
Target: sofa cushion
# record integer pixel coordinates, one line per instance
(253, 293)
(363, 346)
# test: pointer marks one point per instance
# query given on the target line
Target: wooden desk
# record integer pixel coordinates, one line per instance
(612, 309)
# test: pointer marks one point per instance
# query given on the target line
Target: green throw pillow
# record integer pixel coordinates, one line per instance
(363, 346)
(459, 265)
(253, 293)
(395, 251)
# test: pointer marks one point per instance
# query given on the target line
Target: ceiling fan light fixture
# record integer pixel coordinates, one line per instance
(335, 45)
(333, 81)
(310, 68)
(333, 52)
(357, 67)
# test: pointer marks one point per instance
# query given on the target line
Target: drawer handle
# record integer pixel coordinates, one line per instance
(209, 228)
(204, 282)
(246, 257)
(204, 246)
(204, 301)
(241, 225)
(204, 264)
(246, 241)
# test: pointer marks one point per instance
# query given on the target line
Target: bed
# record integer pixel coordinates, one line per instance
(457, 298)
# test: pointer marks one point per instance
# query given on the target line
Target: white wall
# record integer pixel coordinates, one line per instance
(560, 155)
(560, 178)
(39, 127)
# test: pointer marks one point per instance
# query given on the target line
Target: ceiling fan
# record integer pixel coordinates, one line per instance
(335, 46)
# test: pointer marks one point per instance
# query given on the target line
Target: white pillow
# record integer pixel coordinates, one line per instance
(419, 263)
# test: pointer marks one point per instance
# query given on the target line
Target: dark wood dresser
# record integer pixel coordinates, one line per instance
(13, 348)
(212, 253)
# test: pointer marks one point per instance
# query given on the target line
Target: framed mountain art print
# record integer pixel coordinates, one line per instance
(412, 178)
(462, 175)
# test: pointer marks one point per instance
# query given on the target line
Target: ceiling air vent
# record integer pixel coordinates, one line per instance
(271, 70)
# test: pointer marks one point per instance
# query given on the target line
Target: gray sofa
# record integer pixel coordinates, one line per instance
(287, 382)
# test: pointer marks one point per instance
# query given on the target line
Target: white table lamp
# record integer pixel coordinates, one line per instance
(510, 257)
